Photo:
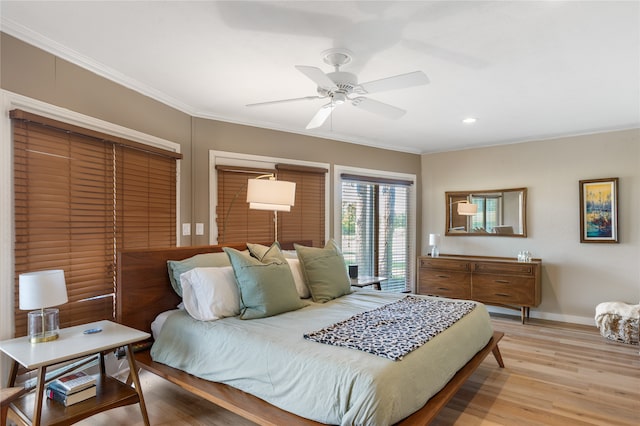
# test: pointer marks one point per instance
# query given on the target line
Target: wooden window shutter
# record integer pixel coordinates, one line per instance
(80, 197)
(64, 218)
(306, 220)
(145, 199)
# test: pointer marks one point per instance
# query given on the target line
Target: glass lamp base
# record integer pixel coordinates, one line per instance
(43, 325)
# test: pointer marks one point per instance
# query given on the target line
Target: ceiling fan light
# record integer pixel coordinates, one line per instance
(339, 98)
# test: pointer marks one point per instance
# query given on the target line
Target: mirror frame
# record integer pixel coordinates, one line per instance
(465, 194)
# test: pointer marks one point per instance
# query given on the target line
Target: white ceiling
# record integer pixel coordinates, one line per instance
(525, 70)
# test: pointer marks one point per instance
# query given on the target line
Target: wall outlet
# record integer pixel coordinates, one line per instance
(186, 229)
(199, 228)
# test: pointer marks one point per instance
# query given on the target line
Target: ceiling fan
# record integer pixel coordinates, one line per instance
(341, 87)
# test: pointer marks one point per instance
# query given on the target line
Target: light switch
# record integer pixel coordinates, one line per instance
(186, 229)
(199, 228)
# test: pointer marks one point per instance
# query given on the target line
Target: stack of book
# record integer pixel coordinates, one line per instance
(72, 388)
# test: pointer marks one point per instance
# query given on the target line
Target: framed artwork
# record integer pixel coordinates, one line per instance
(599, 210)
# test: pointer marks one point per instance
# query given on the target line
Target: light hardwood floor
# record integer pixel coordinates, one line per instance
(556, 374)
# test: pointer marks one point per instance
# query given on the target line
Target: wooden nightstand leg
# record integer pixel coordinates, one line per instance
(133, 374)
(103, 370)
(37, 409)
(13, 374)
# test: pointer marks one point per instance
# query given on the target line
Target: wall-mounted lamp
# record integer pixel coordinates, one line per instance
(267, 193)
(40, 290)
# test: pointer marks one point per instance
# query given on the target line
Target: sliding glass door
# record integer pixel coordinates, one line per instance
(375, 230)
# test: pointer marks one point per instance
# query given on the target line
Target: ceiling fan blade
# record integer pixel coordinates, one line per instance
(378, 107)
(318, 77)
(401, 81)
(320, 117)
(305, 98)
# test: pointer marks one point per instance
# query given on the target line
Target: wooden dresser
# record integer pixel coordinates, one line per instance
(500, 281)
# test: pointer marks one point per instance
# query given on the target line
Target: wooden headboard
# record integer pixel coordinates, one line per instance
(144, 289)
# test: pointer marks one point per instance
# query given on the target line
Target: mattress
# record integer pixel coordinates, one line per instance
(270, 359)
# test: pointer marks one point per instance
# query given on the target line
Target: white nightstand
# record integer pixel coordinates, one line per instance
(35, 409)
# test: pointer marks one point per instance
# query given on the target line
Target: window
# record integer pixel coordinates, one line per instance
(237, 223)
(375, 228)
(79, 197)
(489, 212)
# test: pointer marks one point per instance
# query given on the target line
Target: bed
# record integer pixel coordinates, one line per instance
(144, 292)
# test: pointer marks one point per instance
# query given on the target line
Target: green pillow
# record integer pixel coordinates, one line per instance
(265, 254)
(266, 289)
(325, 271)
(179, 267)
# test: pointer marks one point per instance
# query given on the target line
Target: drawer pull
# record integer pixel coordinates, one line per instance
(503, 295)
(443, 288)
(502, 281)
(443, 276)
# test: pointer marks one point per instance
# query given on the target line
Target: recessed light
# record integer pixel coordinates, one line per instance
(469, 120)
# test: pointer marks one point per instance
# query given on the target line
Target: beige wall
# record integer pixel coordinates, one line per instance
(576, 277)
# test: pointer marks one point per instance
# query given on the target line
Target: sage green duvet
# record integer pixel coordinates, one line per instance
(270, 359)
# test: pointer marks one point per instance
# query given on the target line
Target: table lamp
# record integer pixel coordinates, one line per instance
(41, 290)
(434, 242)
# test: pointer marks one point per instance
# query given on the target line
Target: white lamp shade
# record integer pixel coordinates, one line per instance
(267, 194)
(42, 289)
(467, 209)
(272, 207)
(434, 239)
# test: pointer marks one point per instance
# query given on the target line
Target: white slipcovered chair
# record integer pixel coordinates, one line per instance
(619, 321)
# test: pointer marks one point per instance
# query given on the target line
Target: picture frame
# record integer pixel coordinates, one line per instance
(599, 210)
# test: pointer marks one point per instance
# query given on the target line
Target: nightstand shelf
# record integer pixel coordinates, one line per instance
(35, 409)
(111, 393)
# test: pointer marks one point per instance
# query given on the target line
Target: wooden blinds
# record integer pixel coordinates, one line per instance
(306, 220)
(80, 198)
(145, 199)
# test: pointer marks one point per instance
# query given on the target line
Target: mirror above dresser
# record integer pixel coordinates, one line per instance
(496, 213)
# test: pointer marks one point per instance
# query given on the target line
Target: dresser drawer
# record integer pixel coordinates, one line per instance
(445, 283)
(444, 264)
(504, 289)
(520, 268)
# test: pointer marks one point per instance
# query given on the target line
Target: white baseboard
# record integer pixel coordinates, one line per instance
(573, 319)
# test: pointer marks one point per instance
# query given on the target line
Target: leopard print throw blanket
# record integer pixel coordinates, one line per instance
(393, 330)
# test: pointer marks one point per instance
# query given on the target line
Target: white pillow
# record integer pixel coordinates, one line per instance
(289, 254)
(210, 293)
(298, 278)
